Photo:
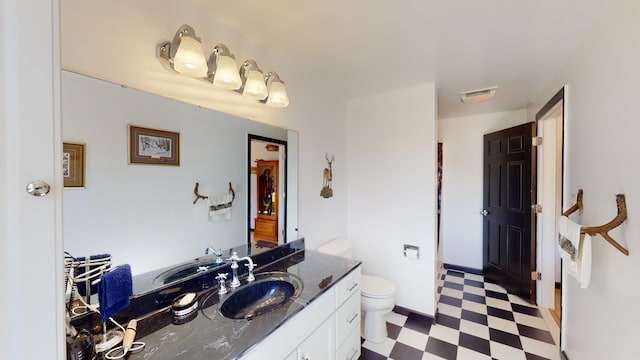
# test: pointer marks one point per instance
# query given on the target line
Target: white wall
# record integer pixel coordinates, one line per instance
(462, 178)
(602, 129)
(391, 143)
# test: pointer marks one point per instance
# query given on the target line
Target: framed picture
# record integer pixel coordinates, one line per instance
(73, 165)
(150, 146)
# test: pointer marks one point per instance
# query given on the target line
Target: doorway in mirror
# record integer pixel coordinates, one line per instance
(267, 169)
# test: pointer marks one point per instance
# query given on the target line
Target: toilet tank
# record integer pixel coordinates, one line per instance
(340, 247)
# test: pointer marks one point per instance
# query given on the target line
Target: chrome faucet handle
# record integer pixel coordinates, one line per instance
(250, 265)
(234, 256)
(221, 279)
(235, 282)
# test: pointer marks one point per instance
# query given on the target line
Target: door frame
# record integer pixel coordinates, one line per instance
(546, 249)
(282, 187)
(31, 227)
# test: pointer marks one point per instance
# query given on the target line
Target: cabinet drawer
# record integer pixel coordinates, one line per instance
(348, 318)
(348, 286)
(265, 226)
(350, 349)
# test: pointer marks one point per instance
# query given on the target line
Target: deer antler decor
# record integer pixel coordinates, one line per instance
(327, 191)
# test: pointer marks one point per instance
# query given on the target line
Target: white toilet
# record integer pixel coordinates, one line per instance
(377, 294)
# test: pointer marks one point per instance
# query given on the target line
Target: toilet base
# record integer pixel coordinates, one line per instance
(374, 326)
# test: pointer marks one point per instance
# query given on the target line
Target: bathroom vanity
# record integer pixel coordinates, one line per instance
(321, 322)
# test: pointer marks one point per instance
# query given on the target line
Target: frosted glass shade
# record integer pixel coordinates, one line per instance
(277, 95)
(226, 75)
(189, 59)
(255, 87)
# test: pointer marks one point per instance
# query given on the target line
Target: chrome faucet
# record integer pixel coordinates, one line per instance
(235, 282)
(218, 252)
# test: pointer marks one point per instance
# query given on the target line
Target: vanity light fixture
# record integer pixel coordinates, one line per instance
(223, 70)
(253, 81)
(277, 93)
(479, 95)
(184, 55)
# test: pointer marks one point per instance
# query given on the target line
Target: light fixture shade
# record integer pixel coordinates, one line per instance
(277, 95)
(226, 75)
(189, 58)
(255, 86)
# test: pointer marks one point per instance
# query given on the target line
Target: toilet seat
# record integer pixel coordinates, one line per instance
(376, 287)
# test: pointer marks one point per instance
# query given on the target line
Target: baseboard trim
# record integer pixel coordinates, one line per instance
(463, 268)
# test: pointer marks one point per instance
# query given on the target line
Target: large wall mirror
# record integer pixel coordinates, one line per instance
(144, 214)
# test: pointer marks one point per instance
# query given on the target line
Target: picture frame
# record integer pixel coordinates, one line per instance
(153, 146)
(73, 165)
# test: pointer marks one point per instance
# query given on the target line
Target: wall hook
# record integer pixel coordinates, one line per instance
(198, 196)
(603, 230)
(232, 192)
(576, 207)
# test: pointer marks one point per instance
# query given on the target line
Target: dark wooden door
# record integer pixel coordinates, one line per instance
(508, 225)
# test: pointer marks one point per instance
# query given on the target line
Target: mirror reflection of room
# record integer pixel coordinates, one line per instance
(266, 222)
(129, 209)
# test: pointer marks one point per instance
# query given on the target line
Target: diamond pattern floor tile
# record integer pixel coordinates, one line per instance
(477, 320)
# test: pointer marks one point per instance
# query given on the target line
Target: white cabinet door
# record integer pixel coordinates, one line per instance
(350, 349)
(320, 344)
(287, 337)
(292, 356)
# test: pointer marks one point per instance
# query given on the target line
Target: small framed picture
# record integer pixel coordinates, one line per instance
(73, 165)
(151, 146)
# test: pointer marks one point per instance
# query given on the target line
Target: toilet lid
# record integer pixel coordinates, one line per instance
(373, 286)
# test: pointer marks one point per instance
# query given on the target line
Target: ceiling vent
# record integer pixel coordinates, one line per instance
(479, 95)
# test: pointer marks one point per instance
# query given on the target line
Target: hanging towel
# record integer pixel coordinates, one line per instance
(114, 290)
(220, 207)
(575, 251)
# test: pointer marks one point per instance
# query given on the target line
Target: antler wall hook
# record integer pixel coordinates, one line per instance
(198, 196)
(576, 207)
(603, 230)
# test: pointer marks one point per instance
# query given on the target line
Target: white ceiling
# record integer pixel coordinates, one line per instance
(361, 47)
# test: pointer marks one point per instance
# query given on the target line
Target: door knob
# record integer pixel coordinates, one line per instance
(38, 188)
(484, 213)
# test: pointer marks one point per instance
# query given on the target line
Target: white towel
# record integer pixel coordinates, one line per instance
(220, 207)
(575, 251)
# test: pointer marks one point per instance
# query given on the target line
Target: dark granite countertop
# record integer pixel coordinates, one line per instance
(209, 335)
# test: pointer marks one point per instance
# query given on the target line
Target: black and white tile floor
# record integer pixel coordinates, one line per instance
(477, 320)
